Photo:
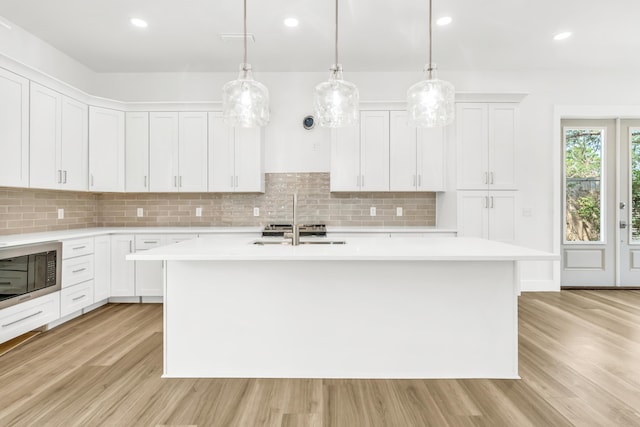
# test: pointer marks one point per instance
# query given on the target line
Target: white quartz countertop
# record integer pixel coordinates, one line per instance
(356, 249)
(51, 236)
(30, 238)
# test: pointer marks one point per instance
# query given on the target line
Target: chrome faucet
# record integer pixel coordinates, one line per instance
(295, 230)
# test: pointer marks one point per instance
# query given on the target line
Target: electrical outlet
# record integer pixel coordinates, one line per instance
(140, 212)
(372, 211)
(198, 211)
(399, 211)
(256, 211)
(61, 213)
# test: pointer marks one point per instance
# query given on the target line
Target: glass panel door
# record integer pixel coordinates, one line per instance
(630, 203)
(588, 246)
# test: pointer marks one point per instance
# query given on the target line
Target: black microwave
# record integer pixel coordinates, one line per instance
(28, 272)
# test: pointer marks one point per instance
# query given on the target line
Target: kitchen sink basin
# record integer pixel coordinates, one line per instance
(308, 242)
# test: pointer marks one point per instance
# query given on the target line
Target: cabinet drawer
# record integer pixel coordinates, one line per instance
(76, 297)
(76, 248)
(148, 241)
(177, 238)
(77, 270)
(27, 316)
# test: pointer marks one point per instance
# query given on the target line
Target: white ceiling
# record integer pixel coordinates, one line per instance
(380, 35)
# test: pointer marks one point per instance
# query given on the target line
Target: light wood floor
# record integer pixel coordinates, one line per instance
(579, 362)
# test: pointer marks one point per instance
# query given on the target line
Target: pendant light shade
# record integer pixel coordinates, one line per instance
(336, 101)
(245, 102)
(431, 102)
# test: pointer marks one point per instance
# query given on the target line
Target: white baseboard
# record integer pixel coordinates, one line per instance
(153, 300)
(62, 320)
(135, 300)
(539, 286)
(94, 306)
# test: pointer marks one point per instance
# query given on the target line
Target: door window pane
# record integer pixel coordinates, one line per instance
(635, 184)
(583, 178)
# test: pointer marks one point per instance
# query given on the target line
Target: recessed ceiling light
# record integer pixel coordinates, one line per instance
(562, 36)
(445, 20)
(291, 22)
(140, 23)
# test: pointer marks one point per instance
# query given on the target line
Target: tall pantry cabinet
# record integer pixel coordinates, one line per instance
(14, 130)
(486, 135)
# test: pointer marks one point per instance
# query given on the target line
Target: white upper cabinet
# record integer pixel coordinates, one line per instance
(163, 152)
(74, 151)
(14, 130)
(45, 133)
(416, 156)
(360, 157)
(192, 153)
(106, 150)
(59, 141)
(137, 152)
(236, 161)
(178, 152)
(486, 136)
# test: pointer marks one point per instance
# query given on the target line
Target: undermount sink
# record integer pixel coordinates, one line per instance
(308, 242)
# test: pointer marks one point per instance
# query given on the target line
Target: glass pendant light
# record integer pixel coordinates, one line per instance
(245, 102)
(431, 102)
(336, 101)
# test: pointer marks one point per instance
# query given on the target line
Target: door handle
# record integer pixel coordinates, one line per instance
(623, 224)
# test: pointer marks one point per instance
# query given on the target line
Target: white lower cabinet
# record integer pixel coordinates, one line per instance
(122, 271)
(30, 315)
(102, 268)
(76, 297)
(488, 215)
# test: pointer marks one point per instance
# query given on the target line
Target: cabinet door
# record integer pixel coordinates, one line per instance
(122, 271)
(472, 137)
(137, 152)
(249, 166)
(14, 130)
(502, 140)
(502, 216)
(402, 153)
(431, 159)
(102, 268)
(221, 155)
(74, 151)
(473, 211)
(149, 280)
(106, 149)
(163, 152)
(345, 159)
(45, 134)
(192, 157)
(374, 151)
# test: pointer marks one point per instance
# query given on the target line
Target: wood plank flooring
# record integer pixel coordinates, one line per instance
(579, 362)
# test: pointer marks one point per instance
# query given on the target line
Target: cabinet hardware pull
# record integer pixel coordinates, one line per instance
(64, 173)
(150, 241)
(491, 202)
(175, 181)
(79, 270)
(59, 176)
(20, 320)
(491, 178)
(78, 247)
(145, 181)
(77, 298)
(486, 202)
(5, 283)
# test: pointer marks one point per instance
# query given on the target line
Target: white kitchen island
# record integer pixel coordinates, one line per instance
(441, 307)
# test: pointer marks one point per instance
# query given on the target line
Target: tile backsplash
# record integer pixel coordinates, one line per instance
(26, 210)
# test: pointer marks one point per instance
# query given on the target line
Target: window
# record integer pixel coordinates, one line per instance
(583, 174)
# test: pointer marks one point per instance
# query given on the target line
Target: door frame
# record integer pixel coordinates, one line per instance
(561, 112)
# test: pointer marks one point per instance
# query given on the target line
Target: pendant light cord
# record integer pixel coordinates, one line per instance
(245, 37)
(430, 69)
(336, 34)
